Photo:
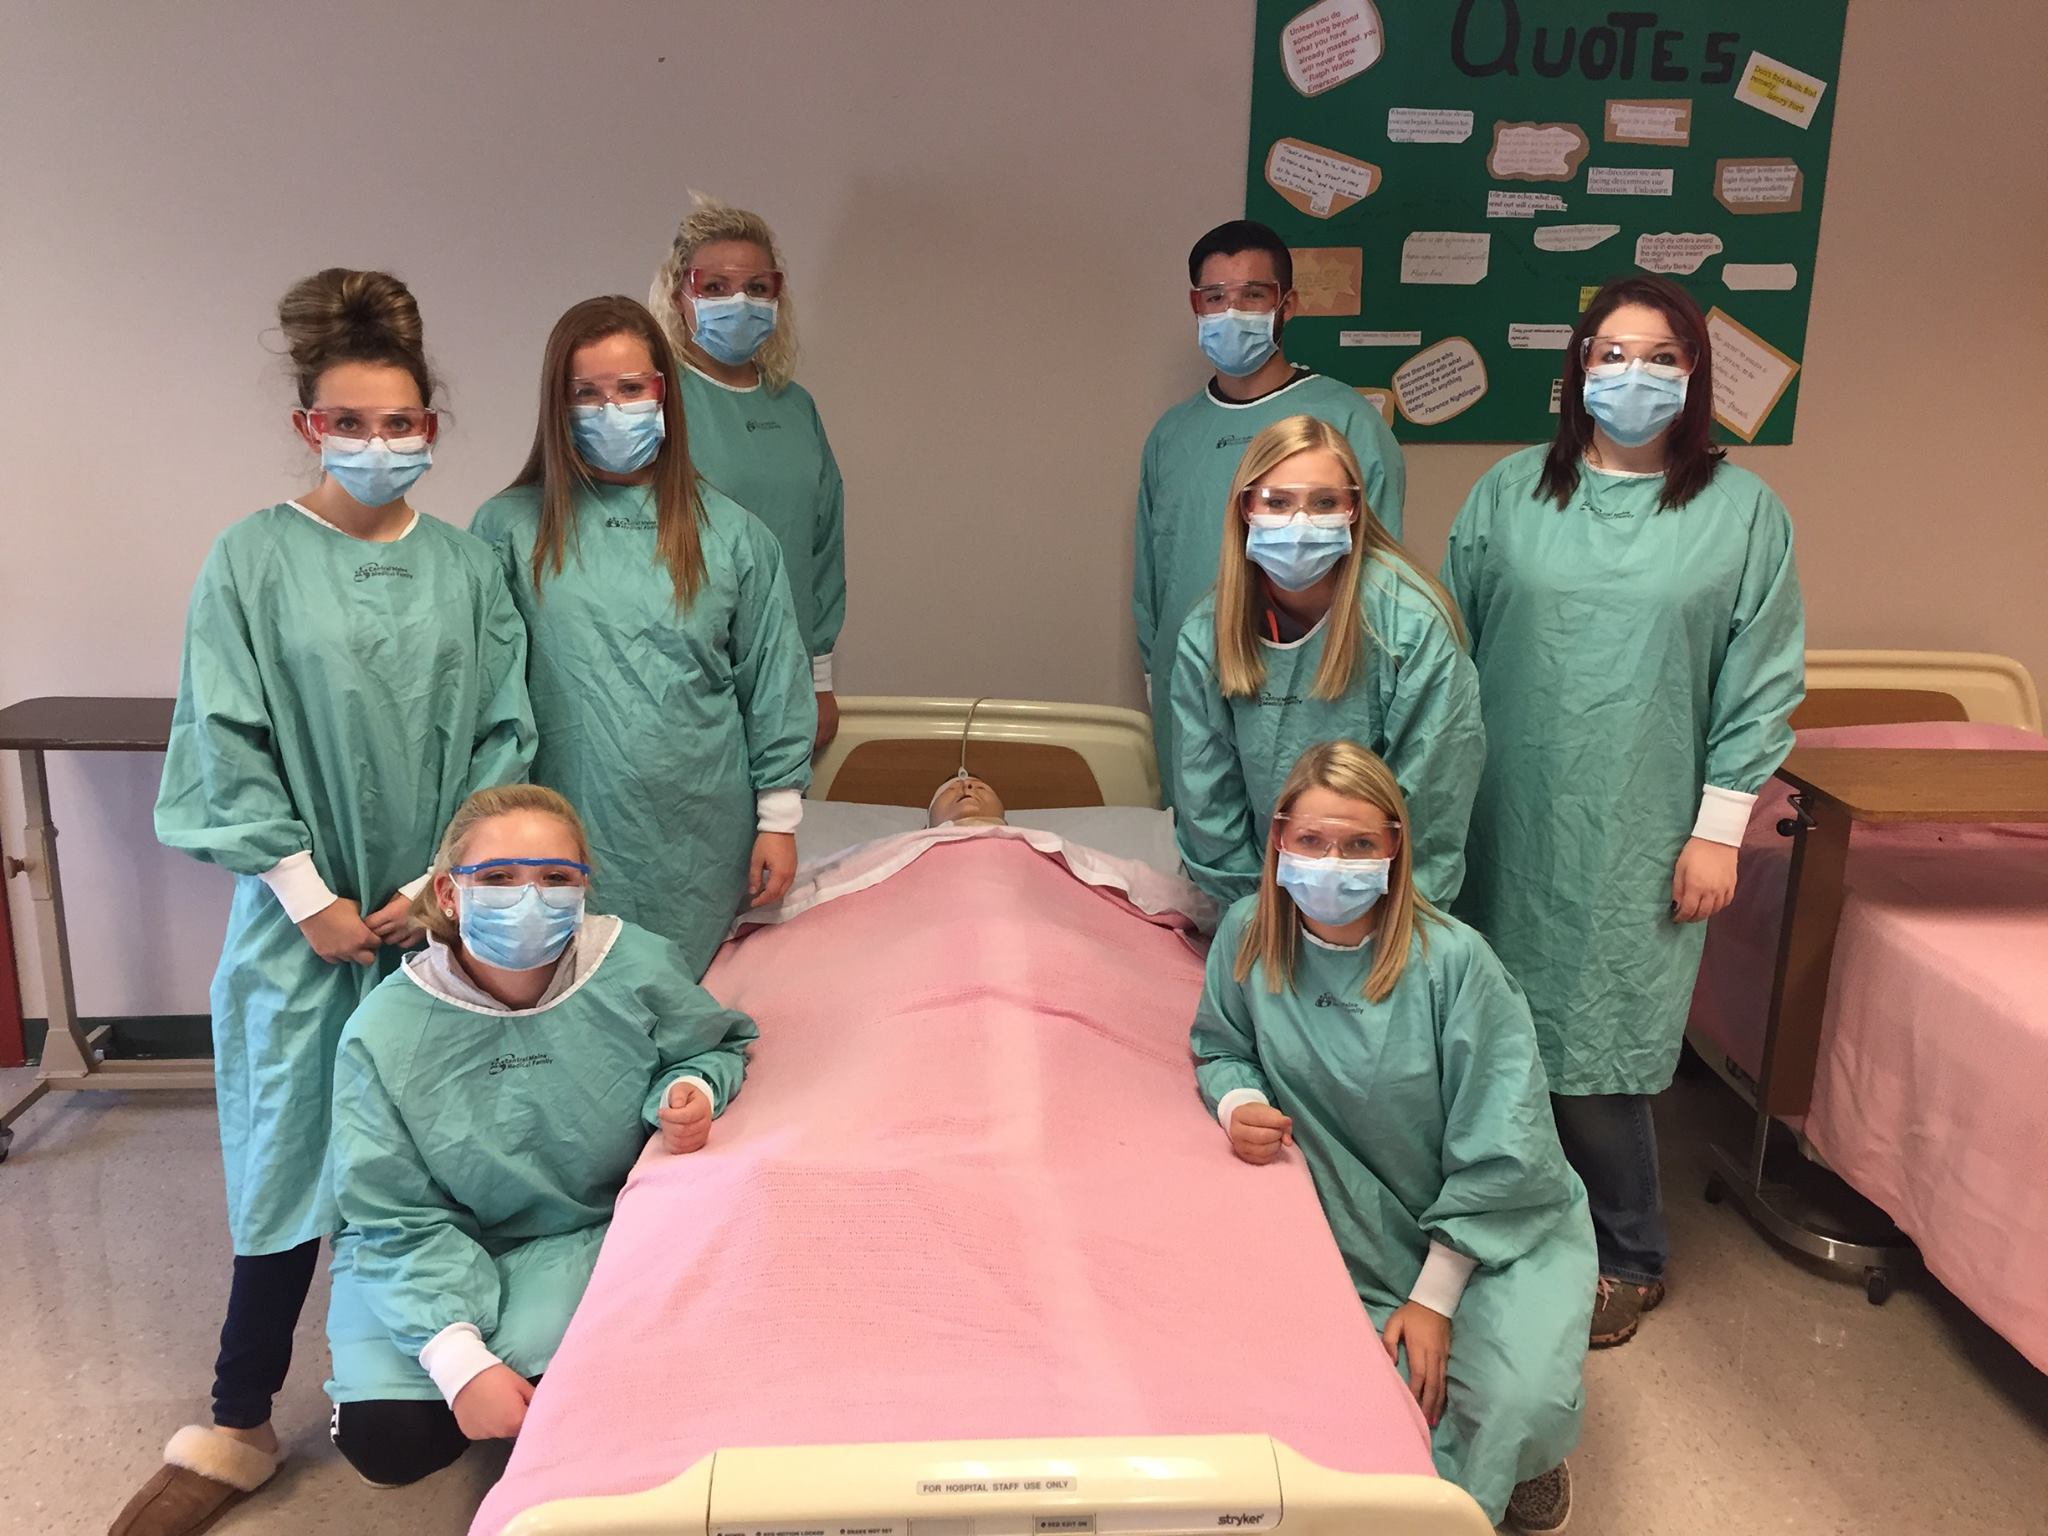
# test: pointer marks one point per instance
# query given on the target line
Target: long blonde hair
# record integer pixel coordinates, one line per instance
(554, 465)
(479, 808)
(709, 220)
(1273, 937)
(1240, 663)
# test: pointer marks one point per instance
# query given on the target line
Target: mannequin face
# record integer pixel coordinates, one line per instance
(970, 801)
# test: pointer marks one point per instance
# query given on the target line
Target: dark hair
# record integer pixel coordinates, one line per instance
(1236, 237)
(556, 467)
(1689, 458)
(343, 316)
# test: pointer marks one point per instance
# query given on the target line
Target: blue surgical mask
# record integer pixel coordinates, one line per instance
(1333, 891)
(1238, 341)
(374, 472)
(1634, 401)
(1296, 555)
(518, 927)
(615, 438)
(733, 329)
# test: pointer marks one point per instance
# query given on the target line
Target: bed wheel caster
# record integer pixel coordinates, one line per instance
(1877, 1286)
(1716, 1191)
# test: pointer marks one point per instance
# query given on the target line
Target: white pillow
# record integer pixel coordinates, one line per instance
(1122, 831)
(833, 826)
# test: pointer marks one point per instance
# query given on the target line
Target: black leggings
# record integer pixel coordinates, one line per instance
(395, 1442)
(264, 1302)
(392, 1442)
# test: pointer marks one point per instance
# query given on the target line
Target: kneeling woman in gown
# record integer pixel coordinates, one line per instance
(1345, 1016)
(490, 1098)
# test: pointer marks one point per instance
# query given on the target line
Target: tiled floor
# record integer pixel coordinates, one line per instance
(1759, 1398)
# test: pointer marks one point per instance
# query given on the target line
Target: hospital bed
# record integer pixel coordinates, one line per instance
(1933, 1038)
(966, 1257)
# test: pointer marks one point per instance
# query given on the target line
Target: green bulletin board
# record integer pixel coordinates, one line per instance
(1456, 176)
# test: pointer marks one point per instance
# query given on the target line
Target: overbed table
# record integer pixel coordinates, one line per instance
(71, 1061)
(1834, 788)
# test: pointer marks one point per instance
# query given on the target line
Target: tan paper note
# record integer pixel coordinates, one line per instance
(1318, 181)
(1329, 278)
(1750, 374)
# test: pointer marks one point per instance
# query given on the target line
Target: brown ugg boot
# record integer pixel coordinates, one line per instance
(205, 1473)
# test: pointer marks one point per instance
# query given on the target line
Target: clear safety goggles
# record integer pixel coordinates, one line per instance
(1664, 356)
(725, 282)
(616, 389)
(361, 423)
(1328, 839)
(501, 882)
(1324, 506)
(1255, 297)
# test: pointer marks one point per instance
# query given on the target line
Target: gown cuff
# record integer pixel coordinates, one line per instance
(1443, 1278)
(1724, 815)
(412, 888)
(701, 1086)
(1235, 1100)
(1148, 690)
(778, 810)
(821, 673)
(297, 886)
(455, 1357)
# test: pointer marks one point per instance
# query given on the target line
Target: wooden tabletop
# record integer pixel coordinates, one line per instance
(1953, 785)
(86, 725)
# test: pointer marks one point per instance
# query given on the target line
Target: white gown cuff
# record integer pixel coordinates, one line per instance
(297, 886)
(778, 810)
(455, 1357)
(1724, 815)
(699, 1084)
(1148, 690)
(1443, 1278)
(821, 673)
(1235, 1100)
(412, 888)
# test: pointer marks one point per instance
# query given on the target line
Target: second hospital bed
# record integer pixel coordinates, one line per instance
(1934, 1043)
(968, 1221)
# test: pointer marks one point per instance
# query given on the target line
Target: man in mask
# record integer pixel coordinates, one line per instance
(1241, 282)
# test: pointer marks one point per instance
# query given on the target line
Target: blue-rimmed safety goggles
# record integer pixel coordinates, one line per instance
(471, 869)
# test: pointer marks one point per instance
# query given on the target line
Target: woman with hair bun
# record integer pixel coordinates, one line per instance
(352, 672)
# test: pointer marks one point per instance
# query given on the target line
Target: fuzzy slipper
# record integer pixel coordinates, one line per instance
(205, 1473)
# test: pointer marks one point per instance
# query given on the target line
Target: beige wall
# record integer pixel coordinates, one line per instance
(985, 207)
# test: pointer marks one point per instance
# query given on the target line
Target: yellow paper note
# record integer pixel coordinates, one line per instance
(1772, 86)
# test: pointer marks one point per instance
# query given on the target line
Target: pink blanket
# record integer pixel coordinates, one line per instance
(968, 1191)
(1935, 1040)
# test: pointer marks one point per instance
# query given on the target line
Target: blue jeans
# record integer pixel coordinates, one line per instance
(1611, 1142)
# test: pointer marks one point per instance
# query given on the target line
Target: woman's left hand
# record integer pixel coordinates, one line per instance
(828, 722)
(1704, 881)
(392, 922)
(1427, 1333)
(772, 867)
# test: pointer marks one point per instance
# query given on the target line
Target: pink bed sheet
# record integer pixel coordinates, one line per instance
(1935, 1040)
(968, 1192)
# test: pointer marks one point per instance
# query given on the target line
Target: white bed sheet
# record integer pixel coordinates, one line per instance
(1133, 832)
